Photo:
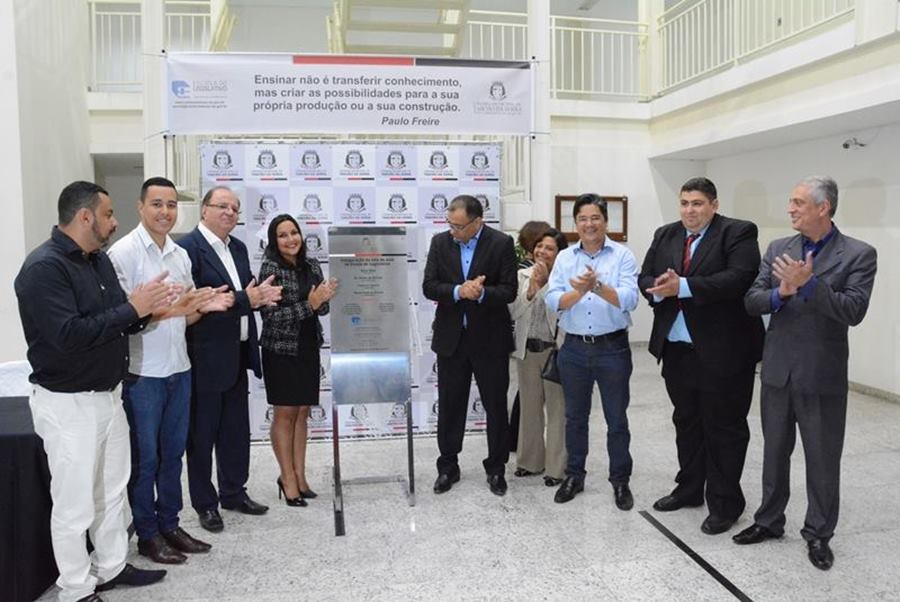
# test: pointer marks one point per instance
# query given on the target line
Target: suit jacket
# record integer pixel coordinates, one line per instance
(281, 323)
(521, 312)
(495, 258)
(726, 338)
(214, 342)
(806, 342)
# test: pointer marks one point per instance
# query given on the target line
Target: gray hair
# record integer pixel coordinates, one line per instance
(209, 194)
(821, 189)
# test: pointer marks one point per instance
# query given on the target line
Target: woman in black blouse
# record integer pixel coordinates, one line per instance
(290, 340)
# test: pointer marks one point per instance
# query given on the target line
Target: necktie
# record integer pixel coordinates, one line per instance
(686, 256)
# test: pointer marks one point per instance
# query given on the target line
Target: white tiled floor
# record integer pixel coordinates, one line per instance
(471, 545)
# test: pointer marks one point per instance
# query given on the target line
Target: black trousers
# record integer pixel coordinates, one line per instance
(711, 431)
(491, 371)
(220, 423)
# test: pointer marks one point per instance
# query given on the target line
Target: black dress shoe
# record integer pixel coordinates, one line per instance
(624, 499)
(92, 598)
(820, 554)
(754, 534)
(158, 550)
(524, 472)
(211, 520)
(309, 494)
(571, 487)
(445, 481)
(497, 483)
(552, 481)
(132, 576)
(713, 525)
(183, 542)
(247, 506)
(671, 502)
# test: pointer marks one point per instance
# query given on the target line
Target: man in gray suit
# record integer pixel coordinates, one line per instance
(815, 285)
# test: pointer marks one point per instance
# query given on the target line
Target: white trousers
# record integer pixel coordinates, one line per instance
(86, 440)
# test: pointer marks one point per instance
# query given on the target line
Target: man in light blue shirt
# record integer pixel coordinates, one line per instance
(593, 286)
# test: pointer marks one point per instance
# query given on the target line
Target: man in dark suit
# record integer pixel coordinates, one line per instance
(815, 285)
(471, 273)
(695, 275)
(222, 347)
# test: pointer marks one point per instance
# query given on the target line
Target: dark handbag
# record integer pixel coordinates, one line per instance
(550, 371)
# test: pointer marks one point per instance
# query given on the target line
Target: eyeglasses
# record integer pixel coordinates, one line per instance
(593, 219)
(225, 207)
(460, 227)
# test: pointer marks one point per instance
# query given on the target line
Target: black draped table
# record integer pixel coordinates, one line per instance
(27, 567)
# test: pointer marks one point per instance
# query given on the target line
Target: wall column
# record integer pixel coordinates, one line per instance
(540, 193)
(153, 39)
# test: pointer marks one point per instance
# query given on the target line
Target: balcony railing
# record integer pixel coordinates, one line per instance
(700, 37)
(116, 48)
(597, 57)
(591, 58)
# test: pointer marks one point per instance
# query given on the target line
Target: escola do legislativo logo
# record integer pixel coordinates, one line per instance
(496, 101)
(181, 88)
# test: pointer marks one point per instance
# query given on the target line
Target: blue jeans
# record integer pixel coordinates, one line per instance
(158, 410)
(608, 363)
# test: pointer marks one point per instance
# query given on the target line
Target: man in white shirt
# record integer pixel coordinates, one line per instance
(157, 394)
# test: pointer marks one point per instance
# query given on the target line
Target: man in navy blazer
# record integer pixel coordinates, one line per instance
(695, 275)
(814, 285)
(471, 273)
(222, 347)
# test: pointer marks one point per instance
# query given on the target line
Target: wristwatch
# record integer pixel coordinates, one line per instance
(597, 288)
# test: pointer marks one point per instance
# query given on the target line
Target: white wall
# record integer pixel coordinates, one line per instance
(51, 55)
(12, 230)
(44, 73)
(610, 158)
(757, 185)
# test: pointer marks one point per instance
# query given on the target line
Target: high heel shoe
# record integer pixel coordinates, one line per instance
(309, 494)
(290, 501)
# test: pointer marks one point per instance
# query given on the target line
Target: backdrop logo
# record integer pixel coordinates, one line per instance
(181, 88)
(497, 103)
(498, 91)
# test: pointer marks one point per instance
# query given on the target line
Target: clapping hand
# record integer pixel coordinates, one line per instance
(264, 293)
(793, 274)
(221, 300)
(153, 295)
(586, 282)
(472, 289)
(666, 284)
(322, 293)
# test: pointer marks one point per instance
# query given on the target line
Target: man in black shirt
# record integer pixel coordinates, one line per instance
(76, 318)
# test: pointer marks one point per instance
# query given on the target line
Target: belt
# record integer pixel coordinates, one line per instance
(592, 339)
(537, 345)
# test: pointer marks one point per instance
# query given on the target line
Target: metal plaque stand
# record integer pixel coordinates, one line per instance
(369, 338)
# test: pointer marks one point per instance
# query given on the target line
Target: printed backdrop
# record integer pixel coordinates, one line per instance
(324, 184)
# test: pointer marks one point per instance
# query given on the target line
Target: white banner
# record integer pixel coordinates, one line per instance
(225, 93)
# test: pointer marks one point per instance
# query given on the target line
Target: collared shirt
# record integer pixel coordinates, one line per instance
(616, 267)
(161, 349)
(805, 291)
(221, 249)
(466, 253)
(679, 332)
(75, 317)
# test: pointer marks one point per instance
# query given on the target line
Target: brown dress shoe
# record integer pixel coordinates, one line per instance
(183, 542)
(158, 550)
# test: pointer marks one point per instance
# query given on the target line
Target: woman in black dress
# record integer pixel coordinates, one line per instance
(290, 340)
